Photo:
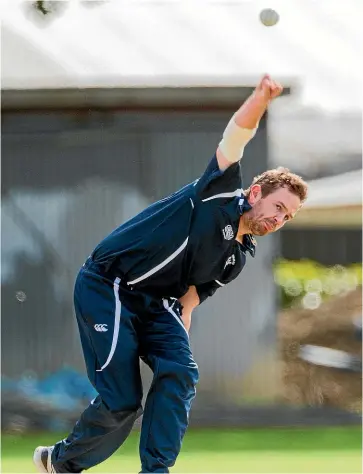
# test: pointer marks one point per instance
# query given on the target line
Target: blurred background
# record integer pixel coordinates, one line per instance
(108, 106)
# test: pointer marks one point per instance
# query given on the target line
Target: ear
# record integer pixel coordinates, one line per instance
(255, 194)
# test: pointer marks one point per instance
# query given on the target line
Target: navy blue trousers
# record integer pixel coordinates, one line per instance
(117, 327)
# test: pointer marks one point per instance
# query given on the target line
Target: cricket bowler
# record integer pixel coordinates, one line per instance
(135, 294)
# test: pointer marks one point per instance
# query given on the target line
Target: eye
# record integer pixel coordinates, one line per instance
(286, 218)
(278, 207)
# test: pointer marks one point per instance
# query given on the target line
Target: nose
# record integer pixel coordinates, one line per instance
(279, 220)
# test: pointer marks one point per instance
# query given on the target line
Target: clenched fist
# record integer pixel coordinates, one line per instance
(268, 88)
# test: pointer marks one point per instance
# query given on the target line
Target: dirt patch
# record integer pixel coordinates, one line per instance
(331, 326)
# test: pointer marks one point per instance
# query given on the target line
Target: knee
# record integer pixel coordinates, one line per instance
(115, 413)
(192, 378)
(184, 376)
(121, 417)
(192, 373)
(117, 410)
(121, 397)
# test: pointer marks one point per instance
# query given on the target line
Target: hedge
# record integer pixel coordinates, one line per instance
(306, 283)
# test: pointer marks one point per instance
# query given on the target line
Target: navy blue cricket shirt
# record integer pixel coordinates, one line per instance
(187, 238)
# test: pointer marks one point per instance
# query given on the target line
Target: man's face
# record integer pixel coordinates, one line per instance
(270, 213)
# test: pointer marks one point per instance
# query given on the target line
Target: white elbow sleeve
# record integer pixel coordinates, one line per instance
(234, 141)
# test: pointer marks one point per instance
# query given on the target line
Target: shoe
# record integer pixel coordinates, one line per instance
(43, 459)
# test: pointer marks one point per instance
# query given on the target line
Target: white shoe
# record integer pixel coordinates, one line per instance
(43, 459)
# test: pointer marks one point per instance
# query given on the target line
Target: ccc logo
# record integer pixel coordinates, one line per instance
(101, 327)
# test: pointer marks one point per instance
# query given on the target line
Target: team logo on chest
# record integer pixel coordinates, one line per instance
(230, 261)
(228, 232)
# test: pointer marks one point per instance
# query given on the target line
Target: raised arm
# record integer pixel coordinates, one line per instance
(243, 125)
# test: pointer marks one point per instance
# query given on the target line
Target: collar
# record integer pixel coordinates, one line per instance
(243, 204)
(249, 242)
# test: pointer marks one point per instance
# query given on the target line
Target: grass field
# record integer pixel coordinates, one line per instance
(328, 450)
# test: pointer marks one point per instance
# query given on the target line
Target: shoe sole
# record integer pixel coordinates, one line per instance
(37, 459)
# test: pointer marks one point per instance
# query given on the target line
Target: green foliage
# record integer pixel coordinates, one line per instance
(306, 283)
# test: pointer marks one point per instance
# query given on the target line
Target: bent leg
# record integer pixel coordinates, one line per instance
(110, 348)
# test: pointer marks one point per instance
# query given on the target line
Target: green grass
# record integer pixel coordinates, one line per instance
(328, 450)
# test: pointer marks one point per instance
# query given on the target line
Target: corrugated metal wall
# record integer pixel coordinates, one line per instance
(328, 246)
(67, 180)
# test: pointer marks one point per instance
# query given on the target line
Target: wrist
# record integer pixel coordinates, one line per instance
(250, 113)
(261, 98)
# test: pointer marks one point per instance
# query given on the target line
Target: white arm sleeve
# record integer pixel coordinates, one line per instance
(234, 141)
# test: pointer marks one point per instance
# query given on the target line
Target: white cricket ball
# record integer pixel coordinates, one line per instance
(269, 17)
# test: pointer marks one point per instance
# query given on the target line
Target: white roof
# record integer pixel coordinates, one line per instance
(313, 143)
(336, 191)
(188, 42)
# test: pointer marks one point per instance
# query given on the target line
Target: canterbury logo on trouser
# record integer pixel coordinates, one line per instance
(101, 327)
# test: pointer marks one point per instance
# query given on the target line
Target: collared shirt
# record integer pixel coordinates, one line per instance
(187, 238)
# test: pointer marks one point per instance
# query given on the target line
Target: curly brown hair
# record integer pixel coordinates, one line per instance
(271, 180)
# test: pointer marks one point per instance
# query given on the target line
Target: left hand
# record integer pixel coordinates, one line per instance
(189, 301)
(186, 319)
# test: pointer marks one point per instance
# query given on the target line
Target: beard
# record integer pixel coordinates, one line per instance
(257, 227)
(257, 224)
